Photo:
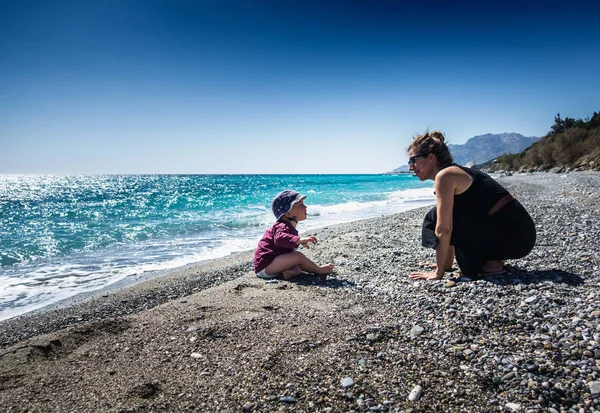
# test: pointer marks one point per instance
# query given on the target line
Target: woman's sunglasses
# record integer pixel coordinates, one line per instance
(411, 160)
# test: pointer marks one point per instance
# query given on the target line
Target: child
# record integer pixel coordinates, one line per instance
(276, 252)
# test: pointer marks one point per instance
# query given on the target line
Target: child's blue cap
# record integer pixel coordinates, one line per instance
(284, 201)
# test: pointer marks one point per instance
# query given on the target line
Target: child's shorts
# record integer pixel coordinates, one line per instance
(262, 274)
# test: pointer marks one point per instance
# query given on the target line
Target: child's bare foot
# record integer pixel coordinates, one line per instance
(325, 269)
(291, 273)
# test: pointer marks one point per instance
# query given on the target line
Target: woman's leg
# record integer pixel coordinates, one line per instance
(483, 243)
(516, 232)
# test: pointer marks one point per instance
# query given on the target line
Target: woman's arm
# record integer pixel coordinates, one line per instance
(445, 187)
(446, 183)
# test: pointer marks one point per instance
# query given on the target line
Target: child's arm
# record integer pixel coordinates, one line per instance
(284, 239)
(305, 241)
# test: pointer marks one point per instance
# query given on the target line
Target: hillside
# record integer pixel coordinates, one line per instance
(572, 144)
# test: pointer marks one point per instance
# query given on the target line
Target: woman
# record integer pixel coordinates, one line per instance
(475, 217)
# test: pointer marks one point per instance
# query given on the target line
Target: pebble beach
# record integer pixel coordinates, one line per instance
(212, 337)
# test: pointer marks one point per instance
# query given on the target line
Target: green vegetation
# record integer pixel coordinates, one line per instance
(571, 144)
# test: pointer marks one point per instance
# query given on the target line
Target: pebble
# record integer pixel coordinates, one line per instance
(371, 337)
(594, 387)
(508, 376)
(513, 407)
(416, 331)
(287, 399)
(415, 393)
(347, 382)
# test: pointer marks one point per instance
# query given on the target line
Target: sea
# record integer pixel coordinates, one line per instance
(65, 235)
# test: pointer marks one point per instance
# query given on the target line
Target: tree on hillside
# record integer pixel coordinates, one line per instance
(558, 124)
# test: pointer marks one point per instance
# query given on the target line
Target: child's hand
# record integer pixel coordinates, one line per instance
(305, 241)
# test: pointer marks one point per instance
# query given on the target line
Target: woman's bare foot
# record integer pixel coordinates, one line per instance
(325, 269)
(493, 266)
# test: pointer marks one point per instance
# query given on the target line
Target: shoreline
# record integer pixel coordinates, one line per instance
(25, 294)
(211, 336)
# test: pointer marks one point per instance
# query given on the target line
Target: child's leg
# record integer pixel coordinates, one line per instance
(287, 262)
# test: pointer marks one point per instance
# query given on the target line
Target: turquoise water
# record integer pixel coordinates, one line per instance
(61, 235)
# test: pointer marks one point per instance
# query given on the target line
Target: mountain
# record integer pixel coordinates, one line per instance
(483, 148)
(401, 169)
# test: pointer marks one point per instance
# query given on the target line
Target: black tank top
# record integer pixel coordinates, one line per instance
(481, 196)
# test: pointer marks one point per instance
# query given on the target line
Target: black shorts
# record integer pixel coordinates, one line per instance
(508, 234)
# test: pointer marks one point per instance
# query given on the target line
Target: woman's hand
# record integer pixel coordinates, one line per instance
(425, 276)
(305, 241)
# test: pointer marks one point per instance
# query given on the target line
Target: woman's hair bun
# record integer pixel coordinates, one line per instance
(437, 135)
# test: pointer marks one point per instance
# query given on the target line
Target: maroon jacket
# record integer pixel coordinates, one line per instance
(281, 238)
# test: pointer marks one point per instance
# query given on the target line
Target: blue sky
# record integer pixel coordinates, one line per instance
(143, 86)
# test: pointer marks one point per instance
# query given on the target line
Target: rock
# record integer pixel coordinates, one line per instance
(594, 387)
(347, 382)
(489, 301)
(287, 399)
(513, 407)
(416, 331)
(415, 393)
(372, 337)
(508, 376)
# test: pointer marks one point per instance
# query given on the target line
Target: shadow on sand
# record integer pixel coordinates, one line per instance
(328, 281)
(518, 275)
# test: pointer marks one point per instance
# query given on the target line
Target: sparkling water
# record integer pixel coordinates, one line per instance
(62, 235)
